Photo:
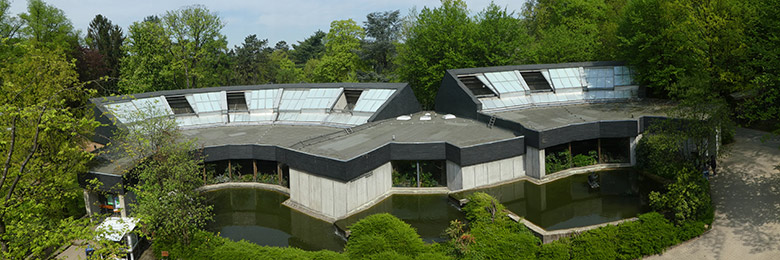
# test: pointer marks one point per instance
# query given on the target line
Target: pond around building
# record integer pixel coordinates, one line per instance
(258, 216)
(571, 202)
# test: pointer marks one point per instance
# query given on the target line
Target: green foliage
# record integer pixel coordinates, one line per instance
(251, 61)
(9, 25)
(309, 49)
(40, 143)
(445, 38)
(686, 199)
(660, 154)
(502, 240)
(553, 251)
(206, 245)
(340, 62)
(105, 38)
(571, 30)
(47, 26)
(585, 159)
(555, 162)
(379, 47)
(382, 233)
(183, 49)
(483, 207)
(283, 69)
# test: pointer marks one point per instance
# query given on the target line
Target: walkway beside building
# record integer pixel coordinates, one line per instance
(746, 194)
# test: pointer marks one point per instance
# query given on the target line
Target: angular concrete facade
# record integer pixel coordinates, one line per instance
(484, 174)
(335, 199)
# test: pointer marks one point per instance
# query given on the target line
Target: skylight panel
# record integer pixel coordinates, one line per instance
(624, 76)
(505, 82)
(599, 78)
(371, 99)
(125, 111)
(262, 99)
(293, 99)
(207, 102)
(565, 78)
(321, 98)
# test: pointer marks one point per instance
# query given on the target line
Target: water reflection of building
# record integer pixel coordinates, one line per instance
(334, 144)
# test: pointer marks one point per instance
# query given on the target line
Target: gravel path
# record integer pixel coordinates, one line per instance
(746, 194)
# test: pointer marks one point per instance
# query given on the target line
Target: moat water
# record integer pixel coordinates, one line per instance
(258, 216)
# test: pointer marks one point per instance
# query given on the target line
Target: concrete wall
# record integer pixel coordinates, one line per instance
(459, 178)
(91, 203)
(534, 161)
(633, 144)
(336, 199)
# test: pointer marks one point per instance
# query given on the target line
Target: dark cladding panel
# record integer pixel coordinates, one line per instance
(316, 165)
(368, 162)
(452, 153)
(569, 133)
(104, 132)
(239, 152)
(454, 99)
(425, 151)
(492, 151)
(625, 128)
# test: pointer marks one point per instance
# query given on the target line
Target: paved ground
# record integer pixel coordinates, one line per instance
(746, 194)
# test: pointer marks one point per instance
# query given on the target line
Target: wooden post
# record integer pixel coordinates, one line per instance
(254, 166)
(230, 170)
(570, 156)
(418, 174)
(279, 172)
(204, 174)
(600, 160)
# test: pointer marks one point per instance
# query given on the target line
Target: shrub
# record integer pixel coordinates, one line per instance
(686, 199)
(483, 207)
(584, 160)
(554, 251)
(599, 243)
(501, 240)
(380, 233)
(555, 162)
(651, 234)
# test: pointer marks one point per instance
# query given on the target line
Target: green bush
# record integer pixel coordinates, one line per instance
(660, 154)
(651, 234)
(599, 243)
(483, 207)
(553, 251)
(584, 160)
(380, 233)
(556, 162)
(687, 199)
(501, 240)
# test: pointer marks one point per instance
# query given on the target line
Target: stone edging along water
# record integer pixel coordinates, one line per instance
(244, 185)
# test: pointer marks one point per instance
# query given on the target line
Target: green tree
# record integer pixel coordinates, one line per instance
(340, 61)
(378, 48)
(380, 234)
(9, 24)
(284, 70)
(566, 31)
(197, 43)
(308, 49)
(106, 38)
(48, 26)
(168, 172)
(149, 63)
(252, 61)
(40, 142)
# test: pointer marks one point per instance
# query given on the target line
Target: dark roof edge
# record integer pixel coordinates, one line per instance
(536, 67)
(103, 100)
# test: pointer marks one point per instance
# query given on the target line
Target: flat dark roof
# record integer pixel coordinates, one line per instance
(276, 134)
(460, 132)
(545, 118)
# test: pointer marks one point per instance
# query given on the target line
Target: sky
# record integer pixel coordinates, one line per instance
(277, 20)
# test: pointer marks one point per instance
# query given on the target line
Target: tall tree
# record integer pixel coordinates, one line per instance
(48, 26)
(762, 102)
(309, 49)
(340, 62)
(284, 70)
(197, 43)
(9, 24)
(106, 38)
(40, 143)
(149, 63)
(378, 49)
(566, 31)
(252, 61)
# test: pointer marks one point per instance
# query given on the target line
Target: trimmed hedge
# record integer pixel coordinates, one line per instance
(384, 236)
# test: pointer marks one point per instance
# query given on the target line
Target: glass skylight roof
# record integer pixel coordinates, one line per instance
(623, 76)
(566, 78)
(208, 102)
(322, 98)
(371, 99)
(293, 99)
(600, 78)
(261, 99)
(505, 82)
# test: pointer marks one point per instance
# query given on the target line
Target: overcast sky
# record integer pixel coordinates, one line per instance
(277, 20)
